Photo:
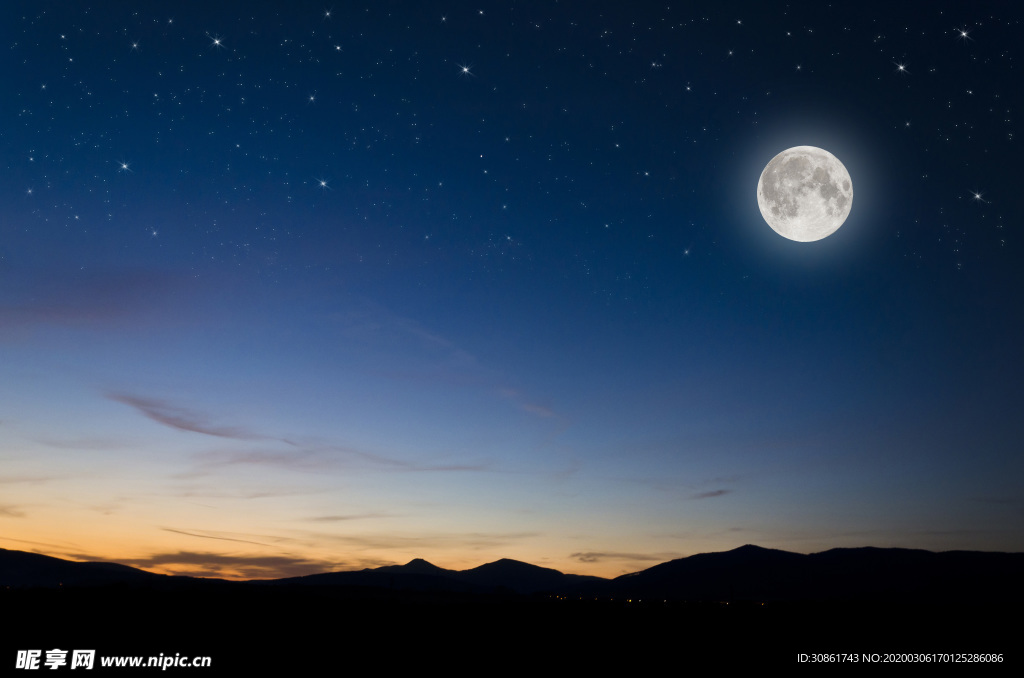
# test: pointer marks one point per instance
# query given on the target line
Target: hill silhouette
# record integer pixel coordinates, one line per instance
(22, 569)
(747, 573)
(750, 606)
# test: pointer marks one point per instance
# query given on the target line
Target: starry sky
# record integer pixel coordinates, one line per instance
(295, 287)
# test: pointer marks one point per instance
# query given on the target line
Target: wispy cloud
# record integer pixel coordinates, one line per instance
(423, 542)
(302, 456)
(247, 566)
(84, 443)
(215, 490)
(443, 361)
(345, 518)
(515, 397)
(182, 418)
(28, 480)
(600, 556)
(303, 460)
(11, 511)
(220, 536)
(326, 457)
(709, 495)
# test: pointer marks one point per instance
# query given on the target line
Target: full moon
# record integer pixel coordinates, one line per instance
(805, 193)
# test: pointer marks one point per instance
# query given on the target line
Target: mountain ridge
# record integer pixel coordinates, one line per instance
(748, 572)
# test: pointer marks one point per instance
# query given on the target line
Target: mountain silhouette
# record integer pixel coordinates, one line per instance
(747, 573)
(859, 574)
(415, 566)
(520, 577)
(21, 569)
(502, 576)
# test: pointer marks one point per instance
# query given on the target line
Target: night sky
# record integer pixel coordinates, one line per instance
(295, 287)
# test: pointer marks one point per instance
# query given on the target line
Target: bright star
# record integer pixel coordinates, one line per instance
(902, 68)
(123, 166)
(465, 70)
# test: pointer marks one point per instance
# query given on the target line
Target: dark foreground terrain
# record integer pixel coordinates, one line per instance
(746, 608)
(299, 630)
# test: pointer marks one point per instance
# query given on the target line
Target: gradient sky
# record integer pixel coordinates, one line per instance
(294, 287)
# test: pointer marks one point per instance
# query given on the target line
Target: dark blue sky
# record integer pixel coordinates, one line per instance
(321, 286)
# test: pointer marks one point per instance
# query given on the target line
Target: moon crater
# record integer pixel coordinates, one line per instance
(805, 193)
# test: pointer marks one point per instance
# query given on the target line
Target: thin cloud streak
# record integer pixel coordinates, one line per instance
(181, 418)
(306, 457)
(213, 536)
(337, 519)
(371, 323)
(326, 458)
(423, 542)
(232, 566)
(601, 556)
(29, 480)
(711, 494)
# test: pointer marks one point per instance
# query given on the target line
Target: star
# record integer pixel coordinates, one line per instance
(465, 70)
(902, 68)
(215, 41)
(123, 166)
(977, 196)
(962, 35)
